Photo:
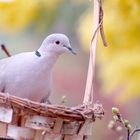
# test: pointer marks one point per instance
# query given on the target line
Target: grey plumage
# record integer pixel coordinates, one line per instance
(29, 76)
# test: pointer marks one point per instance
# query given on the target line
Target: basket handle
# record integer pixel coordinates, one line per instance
(98, 24)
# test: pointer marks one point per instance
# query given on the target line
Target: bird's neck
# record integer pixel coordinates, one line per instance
(48, 58)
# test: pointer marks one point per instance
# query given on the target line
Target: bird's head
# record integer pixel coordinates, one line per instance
(56, 43)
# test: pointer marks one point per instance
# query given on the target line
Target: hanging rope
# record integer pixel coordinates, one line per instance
(98, 24)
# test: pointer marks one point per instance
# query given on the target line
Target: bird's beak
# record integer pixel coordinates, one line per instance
(70, 49)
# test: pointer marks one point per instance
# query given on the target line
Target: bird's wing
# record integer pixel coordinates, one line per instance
(9, 64)
(3, 64)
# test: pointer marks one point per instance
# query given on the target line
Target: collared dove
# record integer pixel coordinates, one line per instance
(29, 75)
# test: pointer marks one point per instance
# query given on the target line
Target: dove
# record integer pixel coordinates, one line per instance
(29, 74)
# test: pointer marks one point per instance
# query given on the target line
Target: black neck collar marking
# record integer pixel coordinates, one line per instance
(37, 53)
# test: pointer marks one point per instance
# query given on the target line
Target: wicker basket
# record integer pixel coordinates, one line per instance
(22, 119)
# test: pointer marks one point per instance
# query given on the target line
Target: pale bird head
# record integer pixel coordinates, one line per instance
(57, 43)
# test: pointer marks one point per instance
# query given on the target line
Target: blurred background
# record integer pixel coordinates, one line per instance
(24, 24)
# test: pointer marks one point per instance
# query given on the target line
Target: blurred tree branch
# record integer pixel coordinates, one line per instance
(3, 47)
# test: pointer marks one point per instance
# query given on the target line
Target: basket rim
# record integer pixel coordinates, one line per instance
(78, 113)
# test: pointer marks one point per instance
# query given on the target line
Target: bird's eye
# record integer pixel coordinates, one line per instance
(57, 42)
